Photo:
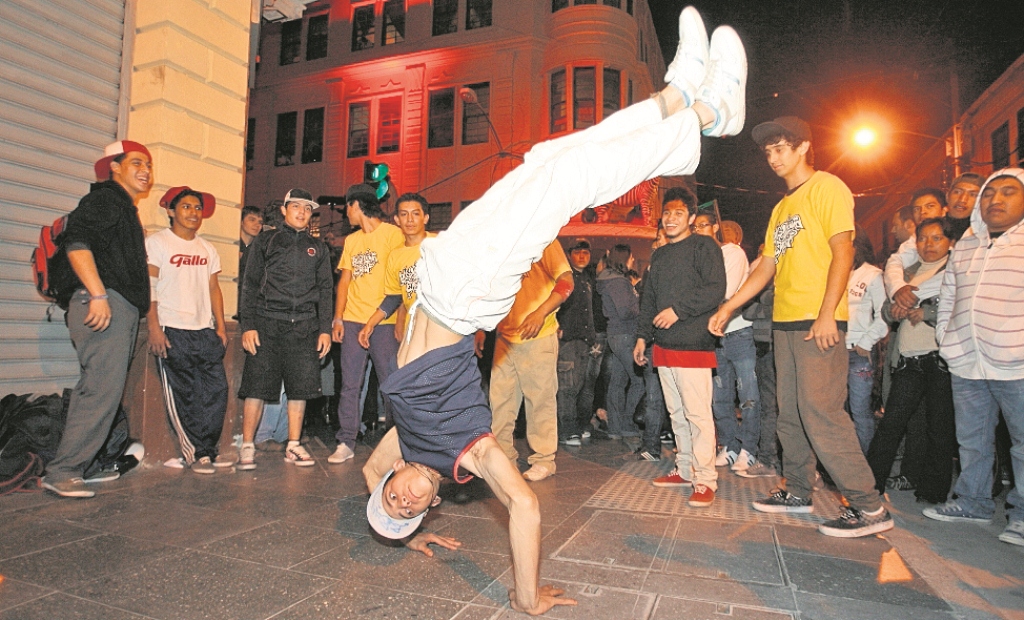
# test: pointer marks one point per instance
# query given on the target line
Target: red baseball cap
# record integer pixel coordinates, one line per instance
(113, 150)
(209, 202)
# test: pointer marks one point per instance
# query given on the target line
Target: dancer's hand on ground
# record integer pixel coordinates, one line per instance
(824, 332)
(421, 542)
(666, 318)
(549, 596)
(251, 341)
(323, 345)
(531, 325)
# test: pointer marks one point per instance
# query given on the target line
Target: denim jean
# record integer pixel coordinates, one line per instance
(923, 378)
(859, 382)
(737, 358)
(573, 359)
(585, 401)
(622, 372)
(768, 445)
(977, 403)
(655, 413)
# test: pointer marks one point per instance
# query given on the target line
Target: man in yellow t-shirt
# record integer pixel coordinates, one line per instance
(526, 362)
(360, 292)
(400, 279)
(808, 249)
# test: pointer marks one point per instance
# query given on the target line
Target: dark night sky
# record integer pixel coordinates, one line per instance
(832, 61)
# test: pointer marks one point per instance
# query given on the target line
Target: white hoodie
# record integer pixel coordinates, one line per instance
(980, 324)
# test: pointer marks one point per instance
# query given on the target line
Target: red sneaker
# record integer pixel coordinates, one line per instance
(673, 479)
(701, 497)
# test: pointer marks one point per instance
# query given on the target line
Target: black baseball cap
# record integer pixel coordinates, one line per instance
(792, 126)
(580, 244)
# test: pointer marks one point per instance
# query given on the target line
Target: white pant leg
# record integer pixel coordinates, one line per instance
(469, 274)
(672, 392)
(688, 394)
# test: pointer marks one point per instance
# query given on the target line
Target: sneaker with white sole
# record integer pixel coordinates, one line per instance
(951, 512)
(341, 454)
(782, 501)
(725, 458)
(688, 68)
(247, 457)
(296, 454)
(855, 523)
(757, 470)
(744, 460)
(73, 487)
(203, 466)
(671, 480)
(1013, 533)
(103, 475)
(223, 461)
(724, 88)
(642, 454)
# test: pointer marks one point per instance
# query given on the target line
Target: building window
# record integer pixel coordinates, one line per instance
(316, 38)
(629, 92)
(558, 5)
(464, 204)
(250, 143)
(1020, 136)
(579, 2)
(583, 97)
(615, 3)
(612, 96)
(394, 22)
(359, 129)
(362, 27)
(313, 136)
(629, 6)
(291, 41)
(558, 109)
(284, 152)
(474, 117)
(446, 16)
(389, 125)
(440, 215)
(1001, 146)
(478, 14)
(441, 131)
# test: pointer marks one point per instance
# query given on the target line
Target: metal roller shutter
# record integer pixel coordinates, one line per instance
(60, 77)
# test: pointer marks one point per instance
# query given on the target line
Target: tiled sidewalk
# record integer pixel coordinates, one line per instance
(284, 542)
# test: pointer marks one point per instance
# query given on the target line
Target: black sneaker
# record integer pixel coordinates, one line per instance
(899, 483)
(647, 455)
(783, 501)
(854, 523)
(668, 437)
(571, 440)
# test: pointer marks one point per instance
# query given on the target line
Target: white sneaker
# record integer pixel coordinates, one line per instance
(296, 454)
(743, 461)
(687, 70)
(725, 458)
(342, 454)
(247, 457)
(724, 88)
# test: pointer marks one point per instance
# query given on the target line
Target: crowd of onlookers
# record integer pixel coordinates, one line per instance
(700, 355)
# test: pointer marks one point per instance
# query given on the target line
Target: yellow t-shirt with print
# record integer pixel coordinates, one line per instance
(536, 287)
(366, 256)
(400, 276)
(797, 240)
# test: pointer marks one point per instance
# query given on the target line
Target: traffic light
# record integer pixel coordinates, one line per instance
(376, 175)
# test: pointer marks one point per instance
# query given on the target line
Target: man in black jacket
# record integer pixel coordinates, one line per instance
(685, 287)
(576, 340)
(106, 249)
(286, 307)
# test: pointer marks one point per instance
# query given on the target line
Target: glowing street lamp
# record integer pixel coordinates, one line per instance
(865, 137)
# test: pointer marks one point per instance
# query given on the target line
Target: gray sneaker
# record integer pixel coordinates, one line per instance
(783, 501)
(1014, 533)
(951, 512)
(203, 466)
(247, 457)
(855, 523)
(74, 487)
(757, 470)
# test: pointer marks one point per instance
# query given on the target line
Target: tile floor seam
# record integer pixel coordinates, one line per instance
(88, 600)
(281, 611)
(95, 534)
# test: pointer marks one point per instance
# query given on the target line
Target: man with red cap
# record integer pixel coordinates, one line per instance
(186, 326)
(106, 249)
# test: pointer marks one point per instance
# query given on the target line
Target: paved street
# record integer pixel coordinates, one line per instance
(290, 543)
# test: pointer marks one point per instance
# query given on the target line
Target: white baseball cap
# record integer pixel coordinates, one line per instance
(383, 523)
